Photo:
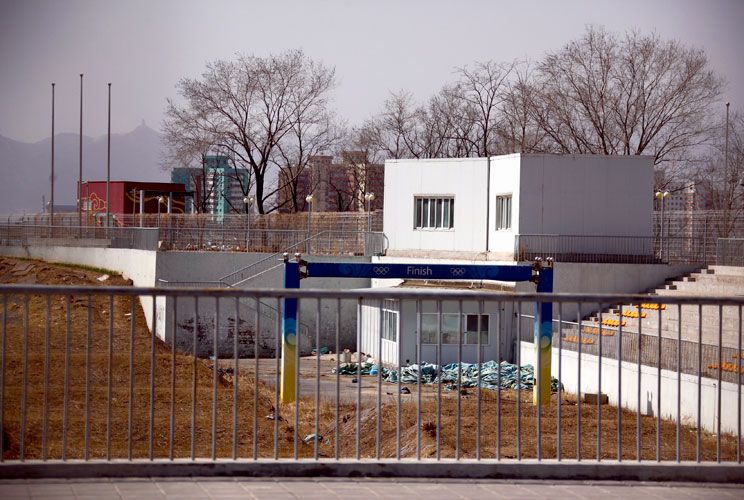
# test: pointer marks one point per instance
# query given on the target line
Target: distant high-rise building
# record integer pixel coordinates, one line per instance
(218, 187)
(336, 186)
(681, 198)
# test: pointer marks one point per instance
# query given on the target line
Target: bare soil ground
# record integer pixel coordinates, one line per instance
(81, 345)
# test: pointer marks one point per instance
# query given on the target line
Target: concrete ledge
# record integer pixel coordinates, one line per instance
(484, 469)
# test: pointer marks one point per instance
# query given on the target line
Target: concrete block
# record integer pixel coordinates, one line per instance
(591, 398)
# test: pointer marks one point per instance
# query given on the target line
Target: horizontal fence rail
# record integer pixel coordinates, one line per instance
(122, 373)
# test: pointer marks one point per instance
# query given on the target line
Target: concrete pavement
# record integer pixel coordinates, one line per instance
(352, 488)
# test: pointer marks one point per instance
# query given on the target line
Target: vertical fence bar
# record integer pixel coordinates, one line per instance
(195, 376)
(658, 392)
(459, 380)
(418, 378)
(87, 376)
(578, 391)
(296, 370)
(638, 408)
(47, 348)
(236, 378)
(599, 386)
(256, 376)
(277, 384)
(439, 380)
(24, 384)
(739, 354)
(337, 444)
(399, 343)
(700, 375)
(359, 380)
(172, 436)
(480, 381)
(130, 419)
(538, 374)
(152, 379)
(679, 382)
(379, 381)
(2, 377)
(110, 369)
(215, 374)
(499, 339)
(317, 380)
(560, 382)
(519, 380)
(66, 414)
(620, 387)
(720, 370)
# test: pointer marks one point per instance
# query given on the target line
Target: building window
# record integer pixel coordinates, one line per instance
(503, 212)
(389, 327)
(450, 328)
(434, 212)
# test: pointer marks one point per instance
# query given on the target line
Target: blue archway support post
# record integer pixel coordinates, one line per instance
(543, 335)
(289, 334)
(293, 272)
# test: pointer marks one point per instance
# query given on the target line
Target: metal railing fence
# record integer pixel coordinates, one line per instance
(612, 249)
(82, 377)
(209, 238)
(730, 251)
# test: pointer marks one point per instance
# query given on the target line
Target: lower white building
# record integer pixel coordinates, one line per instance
(389, 331)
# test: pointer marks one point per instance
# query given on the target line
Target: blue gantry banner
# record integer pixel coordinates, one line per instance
(419, 271)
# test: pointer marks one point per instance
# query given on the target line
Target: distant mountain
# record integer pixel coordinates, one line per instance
(25, 168)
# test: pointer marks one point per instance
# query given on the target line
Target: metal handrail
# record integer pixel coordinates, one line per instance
(231, 393)
(261, 264)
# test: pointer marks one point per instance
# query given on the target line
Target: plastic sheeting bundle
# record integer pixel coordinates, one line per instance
(430, 373)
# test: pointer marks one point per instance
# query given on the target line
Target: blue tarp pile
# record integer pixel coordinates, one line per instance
(430, 373)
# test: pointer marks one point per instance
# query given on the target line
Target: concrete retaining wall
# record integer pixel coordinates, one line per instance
(628, 396)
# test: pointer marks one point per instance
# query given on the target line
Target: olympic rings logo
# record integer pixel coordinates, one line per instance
(457, 271)
(381, 271)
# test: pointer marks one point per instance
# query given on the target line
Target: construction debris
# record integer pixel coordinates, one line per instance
(430, 374)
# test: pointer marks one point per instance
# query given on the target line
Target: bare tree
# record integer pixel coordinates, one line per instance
(315, 131)
(481, 90)
(251, 108)
(721, 184)
(395, 130)
(518, 130)
(605, 94)
(461, 120)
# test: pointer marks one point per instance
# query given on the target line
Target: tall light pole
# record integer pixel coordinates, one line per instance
(160, 200)
(51, 177)
(370, 197)
(248, 201)
(80, 167)
(661, 196)
(725, 154)
(108, 164)
(309, 200)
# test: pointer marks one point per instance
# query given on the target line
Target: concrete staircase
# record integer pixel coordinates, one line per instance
(725, 281)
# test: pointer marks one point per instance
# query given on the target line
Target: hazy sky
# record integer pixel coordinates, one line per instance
(144, 47)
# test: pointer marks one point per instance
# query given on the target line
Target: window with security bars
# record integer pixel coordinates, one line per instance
(503, 212)
(434, 212)
(450, 327)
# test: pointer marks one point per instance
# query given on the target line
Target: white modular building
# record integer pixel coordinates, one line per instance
(449, 208)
